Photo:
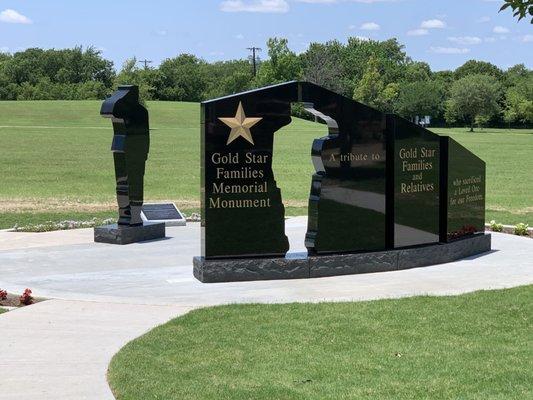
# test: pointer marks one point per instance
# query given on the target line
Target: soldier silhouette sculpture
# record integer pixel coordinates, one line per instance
(131, 143)
(130, 146)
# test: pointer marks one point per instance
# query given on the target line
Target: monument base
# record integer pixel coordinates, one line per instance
(115, 234)
(316, 266)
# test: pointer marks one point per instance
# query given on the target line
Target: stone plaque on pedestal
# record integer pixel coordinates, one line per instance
(166, 213)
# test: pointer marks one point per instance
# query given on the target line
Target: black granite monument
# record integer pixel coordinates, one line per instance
(381, 197)
(130, 146)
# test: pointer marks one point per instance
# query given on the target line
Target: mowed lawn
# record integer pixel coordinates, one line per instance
(56, 162)
(474, 346)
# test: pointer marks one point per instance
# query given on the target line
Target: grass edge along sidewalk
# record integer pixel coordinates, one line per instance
(475, 345)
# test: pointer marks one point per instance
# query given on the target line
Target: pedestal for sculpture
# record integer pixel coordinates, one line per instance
(118, 234)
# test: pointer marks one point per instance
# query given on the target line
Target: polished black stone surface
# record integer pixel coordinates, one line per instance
(253, 269)
(380, 181)
(463, 191)
(347, 196)
(121, 234)
(131, 142)
(243, 213)
(414, 184)
(161, 211)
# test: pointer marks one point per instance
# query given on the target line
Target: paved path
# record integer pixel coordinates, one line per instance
(60, 349)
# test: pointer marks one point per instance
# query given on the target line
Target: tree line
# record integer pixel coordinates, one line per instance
(377, 73)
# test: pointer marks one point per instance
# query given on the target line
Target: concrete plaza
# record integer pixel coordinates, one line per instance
(105, 295)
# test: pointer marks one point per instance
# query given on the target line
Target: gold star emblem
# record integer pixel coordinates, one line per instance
(240, 125)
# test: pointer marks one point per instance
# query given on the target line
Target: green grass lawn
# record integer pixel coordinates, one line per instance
(474, 346)
(56, 162)
(2, 310)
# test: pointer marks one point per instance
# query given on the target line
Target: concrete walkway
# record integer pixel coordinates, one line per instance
(60, 349)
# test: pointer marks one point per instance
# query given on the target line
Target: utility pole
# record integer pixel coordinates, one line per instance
(145, 62)
(254, 50)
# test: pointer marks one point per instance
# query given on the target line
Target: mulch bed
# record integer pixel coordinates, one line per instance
(13, 301)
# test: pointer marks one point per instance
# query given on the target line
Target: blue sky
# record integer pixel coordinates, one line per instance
(444, 33)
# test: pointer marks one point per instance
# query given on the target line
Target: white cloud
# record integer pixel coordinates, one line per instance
(13, 17)
(370, 26)
(417, 32)
(352, 27)
(465, 40)
(483, 19)
(256, 6)
(490, 39)
(363, 38)
(448, 50)
(4, 49)
(161, 32)
(239, 36)
(527, 38)
(433, 24)
(500, 29)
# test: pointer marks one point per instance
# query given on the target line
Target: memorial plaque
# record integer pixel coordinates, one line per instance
(163, 212)
(416, 183)
(463, 197)
(242, 206)
(243, 214)
(381, 184)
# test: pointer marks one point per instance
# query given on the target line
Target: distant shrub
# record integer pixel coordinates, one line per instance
(495, 227)
(3, 294)
(521, 229)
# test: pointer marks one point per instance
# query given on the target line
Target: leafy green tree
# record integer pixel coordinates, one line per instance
(371, 84)
(51, 74)
(148, 79)
(387, 99)
(445, 79)
(283, 64)
(389, 55)
(322, 65)
(416, 72)
(515, 74)
(372, 89)
(420, 98)
(227, 77)
(521, 8)
(474, 67)
(471, 97)
(182, 79)
(519, 101)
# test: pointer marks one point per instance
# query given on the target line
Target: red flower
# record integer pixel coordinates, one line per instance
(26, 298)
